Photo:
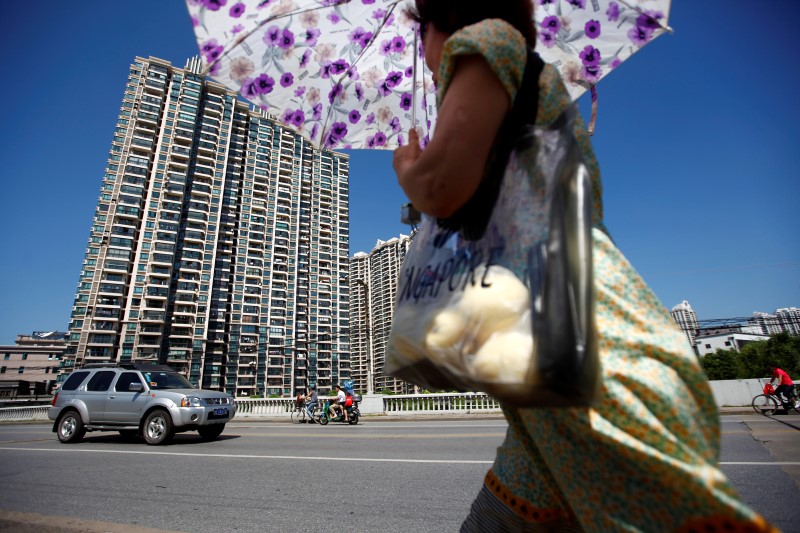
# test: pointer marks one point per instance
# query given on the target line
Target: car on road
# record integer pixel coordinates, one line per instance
(147, 400)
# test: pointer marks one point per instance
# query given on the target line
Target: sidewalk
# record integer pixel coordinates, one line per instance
(283, 419)
(366, 418)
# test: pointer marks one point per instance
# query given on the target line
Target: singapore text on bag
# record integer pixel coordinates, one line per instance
(507, 308)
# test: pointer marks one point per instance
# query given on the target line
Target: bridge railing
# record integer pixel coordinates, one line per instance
(20, 414)
(266, 407)
(727, 393)
(437, 404)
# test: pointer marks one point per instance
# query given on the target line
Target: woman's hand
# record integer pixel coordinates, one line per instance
(441, 179)
(406, 155)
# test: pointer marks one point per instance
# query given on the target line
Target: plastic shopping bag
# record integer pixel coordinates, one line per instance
(510, 313)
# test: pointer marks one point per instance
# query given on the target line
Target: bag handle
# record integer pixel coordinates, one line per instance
(473, 217)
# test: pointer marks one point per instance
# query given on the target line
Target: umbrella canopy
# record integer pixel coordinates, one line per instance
(343, 73)
(586, 40)
(347, 73)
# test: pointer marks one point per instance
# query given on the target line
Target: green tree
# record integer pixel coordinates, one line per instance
(752, 361)
(720, 364)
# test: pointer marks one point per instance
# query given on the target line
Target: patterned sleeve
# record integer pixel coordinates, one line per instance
(495, 40)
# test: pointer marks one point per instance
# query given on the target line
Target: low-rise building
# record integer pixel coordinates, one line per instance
(31, 365)
(711, 342)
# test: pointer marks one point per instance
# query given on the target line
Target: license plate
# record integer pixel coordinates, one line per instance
(220, 412)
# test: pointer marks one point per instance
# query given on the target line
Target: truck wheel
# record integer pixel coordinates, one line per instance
(158, 428)
(70, 427)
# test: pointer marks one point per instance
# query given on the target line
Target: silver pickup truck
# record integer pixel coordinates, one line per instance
(151, 401)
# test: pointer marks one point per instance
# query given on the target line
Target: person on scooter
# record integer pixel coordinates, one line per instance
(338, 404)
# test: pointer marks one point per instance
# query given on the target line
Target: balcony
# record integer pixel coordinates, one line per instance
(150, 341)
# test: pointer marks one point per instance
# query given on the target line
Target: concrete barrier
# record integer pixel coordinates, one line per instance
(736, 392)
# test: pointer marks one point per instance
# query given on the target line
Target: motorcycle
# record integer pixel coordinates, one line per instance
(353, 414)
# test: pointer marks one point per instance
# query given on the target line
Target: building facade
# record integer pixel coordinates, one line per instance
(373, 289)
(31, 366)
(784, 320)
(218, 245)
(710, 342)
(685, 317)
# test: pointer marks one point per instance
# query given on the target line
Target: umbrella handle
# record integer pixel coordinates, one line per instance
(414, 83)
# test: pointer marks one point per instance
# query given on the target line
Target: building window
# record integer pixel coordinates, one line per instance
(21, 370)
(727, 343)
(6, 357)
(24, 356)
(2, 370)
(708, 346)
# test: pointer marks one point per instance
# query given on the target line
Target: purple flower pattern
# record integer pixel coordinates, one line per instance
(341, 72)
(587, 40)
(237, 10)
(592, 29)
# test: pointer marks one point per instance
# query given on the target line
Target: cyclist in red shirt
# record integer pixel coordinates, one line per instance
(785, 384)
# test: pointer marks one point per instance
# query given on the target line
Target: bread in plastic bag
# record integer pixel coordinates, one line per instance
(510, 313)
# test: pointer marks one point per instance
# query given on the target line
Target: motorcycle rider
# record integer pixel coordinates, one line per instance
(338, 403)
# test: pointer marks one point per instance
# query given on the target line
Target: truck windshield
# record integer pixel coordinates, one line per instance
(166, 380)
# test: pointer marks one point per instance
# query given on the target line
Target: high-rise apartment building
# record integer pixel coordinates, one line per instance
(219, 244)
(789, 318)
(686, 318)
(373, 289)
(784, 320)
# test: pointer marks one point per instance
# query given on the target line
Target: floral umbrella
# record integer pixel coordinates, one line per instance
(588, 40)
(343, 73)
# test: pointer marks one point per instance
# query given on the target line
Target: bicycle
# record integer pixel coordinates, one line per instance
(299, 414)
(768, 403)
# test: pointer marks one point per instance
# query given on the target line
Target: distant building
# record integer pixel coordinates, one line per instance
(707, 336)
(768, 323)
(218, 244)
(31, 366)
(711, 342)
(685, 317)
(373, 288)
(790, 319)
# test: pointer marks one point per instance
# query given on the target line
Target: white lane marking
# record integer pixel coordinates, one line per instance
(279, 457)
(762, 463)
(346, 459)
(370, 425)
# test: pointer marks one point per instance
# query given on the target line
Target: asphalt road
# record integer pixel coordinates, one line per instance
(378, 476)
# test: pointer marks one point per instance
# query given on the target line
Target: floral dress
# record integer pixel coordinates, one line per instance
(645, 457)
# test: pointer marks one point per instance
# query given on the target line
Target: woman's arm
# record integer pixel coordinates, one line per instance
(442, 178)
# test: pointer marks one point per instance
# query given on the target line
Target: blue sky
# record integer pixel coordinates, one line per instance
(697, 140)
